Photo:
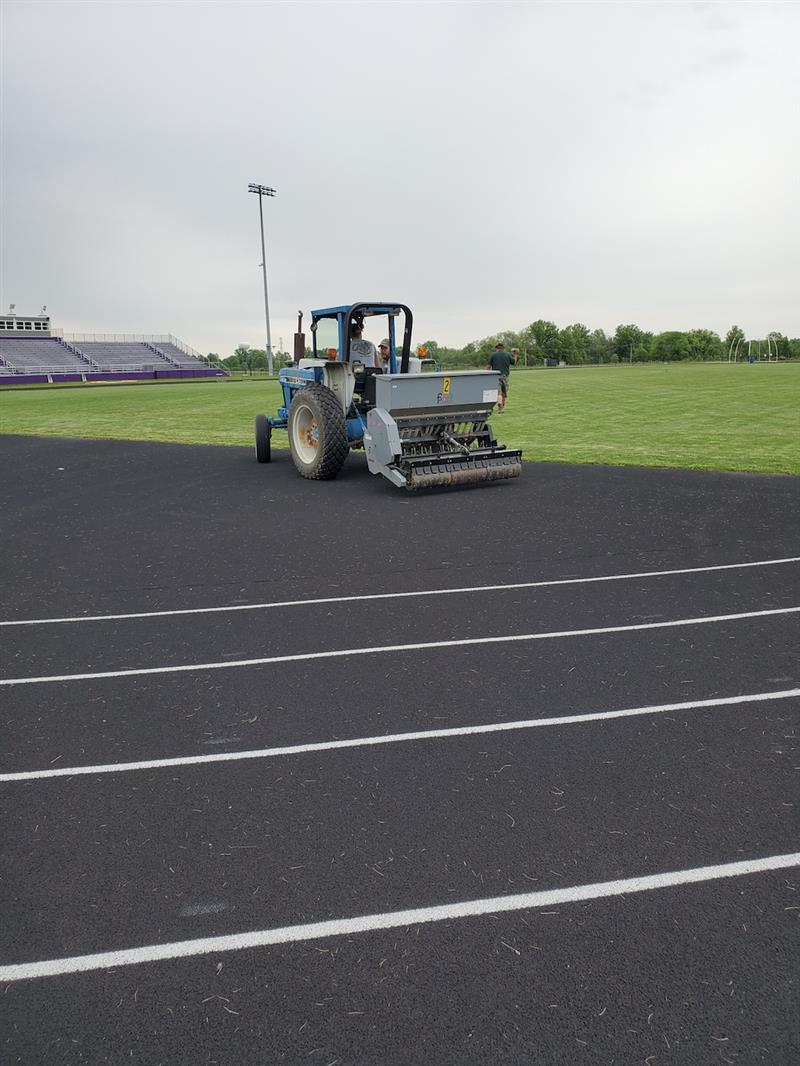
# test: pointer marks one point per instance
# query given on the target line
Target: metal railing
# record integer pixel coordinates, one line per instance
(72, 368)
(124, 368)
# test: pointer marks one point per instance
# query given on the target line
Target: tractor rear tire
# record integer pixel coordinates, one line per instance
(263, 439)
(317, 433)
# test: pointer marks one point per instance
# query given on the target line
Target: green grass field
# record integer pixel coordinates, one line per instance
(691, 415)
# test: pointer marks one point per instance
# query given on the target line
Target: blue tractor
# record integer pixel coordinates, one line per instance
(419, 427)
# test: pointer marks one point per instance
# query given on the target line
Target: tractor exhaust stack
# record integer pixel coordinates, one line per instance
(299, 340)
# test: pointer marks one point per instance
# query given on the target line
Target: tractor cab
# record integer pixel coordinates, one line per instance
(337, 334)
(354, 336)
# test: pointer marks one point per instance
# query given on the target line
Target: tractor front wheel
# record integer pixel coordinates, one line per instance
(263, 439)
(317, 433)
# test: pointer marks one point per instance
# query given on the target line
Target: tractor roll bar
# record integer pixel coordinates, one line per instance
(377, 307)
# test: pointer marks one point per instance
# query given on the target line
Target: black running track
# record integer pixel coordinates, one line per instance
(105, 862)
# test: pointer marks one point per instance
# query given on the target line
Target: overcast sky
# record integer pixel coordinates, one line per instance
(487, 163)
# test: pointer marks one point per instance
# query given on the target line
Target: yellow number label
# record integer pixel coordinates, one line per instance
(446, 386)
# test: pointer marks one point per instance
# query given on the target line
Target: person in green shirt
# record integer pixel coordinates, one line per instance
(501, 361)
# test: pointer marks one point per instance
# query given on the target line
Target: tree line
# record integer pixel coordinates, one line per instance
(542, 343)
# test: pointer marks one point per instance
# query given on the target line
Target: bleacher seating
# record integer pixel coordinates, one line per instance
(118, 355)
(28, 355)
(181, 358)
(97, 356)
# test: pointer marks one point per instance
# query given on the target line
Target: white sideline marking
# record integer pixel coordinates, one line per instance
(382, 649)
(393, 738)
(394, 595)
(368, 923)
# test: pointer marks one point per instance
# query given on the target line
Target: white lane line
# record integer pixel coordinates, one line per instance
(394, 738)
(383, 649)
(394, 595)
(368, 923)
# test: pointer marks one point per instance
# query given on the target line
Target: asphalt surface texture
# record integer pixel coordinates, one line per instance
(109, 856)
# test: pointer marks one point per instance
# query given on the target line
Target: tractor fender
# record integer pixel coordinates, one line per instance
(341, 381)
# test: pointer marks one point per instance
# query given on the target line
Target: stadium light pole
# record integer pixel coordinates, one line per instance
(261, 191)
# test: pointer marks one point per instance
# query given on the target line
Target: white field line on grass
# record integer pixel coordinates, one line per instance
(395, 738)
(292, 934)
(394, 595)
(386, 648)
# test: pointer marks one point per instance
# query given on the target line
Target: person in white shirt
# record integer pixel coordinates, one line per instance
(361, 351)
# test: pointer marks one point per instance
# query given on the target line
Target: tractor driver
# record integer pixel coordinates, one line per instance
(361, 351)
